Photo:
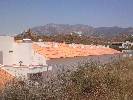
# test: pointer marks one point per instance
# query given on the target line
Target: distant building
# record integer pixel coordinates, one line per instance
(127, 53)
(27, 40)
(79, 33)
(40, 40)
(122, 45)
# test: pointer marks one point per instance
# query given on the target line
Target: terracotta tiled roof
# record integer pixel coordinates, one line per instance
(59, 50)
(4, 77)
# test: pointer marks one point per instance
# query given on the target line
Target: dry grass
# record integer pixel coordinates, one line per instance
(113, 81)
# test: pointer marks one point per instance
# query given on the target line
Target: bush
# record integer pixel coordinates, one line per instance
(113, 81)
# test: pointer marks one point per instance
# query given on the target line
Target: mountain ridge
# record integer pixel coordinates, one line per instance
(84, 29)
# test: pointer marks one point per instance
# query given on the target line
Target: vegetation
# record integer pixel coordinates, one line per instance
(67, 38)
(129, 38)
(92, 81)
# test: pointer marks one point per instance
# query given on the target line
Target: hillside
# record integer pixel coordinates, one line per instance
(80, 29)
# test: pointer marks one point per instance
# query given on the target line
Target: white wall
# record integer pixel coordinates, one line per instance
(6, 45)
(21, 52)
(24, 71)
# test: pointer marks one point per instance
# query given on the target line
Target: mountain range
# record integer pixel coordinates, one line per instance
(52, 29)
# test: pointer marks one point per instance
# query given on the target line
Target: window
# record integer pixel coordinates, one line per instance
(10, 51)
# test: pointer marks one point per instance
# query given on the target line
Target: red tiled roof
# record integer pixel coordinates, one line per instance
(64, 50)
(4, 77)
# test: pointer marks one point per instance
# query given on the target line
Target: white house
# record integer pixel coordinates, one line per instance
(19, 59)
(13, 53)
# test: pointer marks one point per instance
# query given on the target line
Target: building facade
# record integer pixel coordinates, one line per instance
(13, 53)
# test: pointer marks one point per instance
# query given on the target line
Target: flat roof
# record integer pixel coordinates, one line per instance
(61, 50)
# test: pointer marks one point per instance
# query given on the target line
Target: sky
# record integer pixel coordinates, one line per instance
(19, 15)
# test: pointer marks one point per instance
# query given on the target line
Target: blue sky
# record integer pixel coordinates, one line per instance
(17, 15)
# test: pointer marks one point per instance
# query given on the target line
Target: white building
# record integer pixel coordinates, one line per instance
(13, 53)
(19, 59)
